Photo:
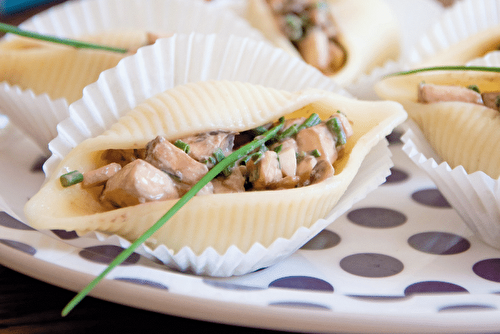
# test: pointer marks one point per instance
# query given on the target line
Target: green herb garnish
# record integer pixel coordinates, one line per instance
(335, 126)
(448, 68)
(7, 28)
(312, 120)
(474, 88)
(71, 178)
(182, 145)
(212, 173)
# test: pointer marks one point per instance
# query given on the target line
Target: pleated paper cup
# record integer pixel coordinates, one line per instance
(467, 30)
(36, 112)
(187, 58)
(475, 196)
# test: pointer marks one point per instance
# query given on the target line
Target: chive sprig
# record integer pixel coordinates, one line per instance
(448, 68)
(7, 28)
(212, 173)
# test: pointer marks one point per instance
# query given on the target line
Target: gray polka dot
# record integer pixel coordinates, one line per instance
(371, 265)
(376, 217)
(19, 246)
(433, 287)
(65, 235)
(397, 176)
(430, 197)
(105, 254)
(323, 240)
(230, 286)
(439, 243)
(488, 269)
(7, 221)
(306, 305)
(466, 308)
(140, 281)
(302, 283)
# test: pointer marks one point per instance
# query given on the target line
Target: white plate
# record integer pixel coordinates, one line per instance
(358, 285)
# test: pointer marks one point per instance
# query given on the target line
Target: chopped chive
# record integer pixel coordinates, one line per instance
(315, 153)
(290, 132)
(257, 156)
(474, 88)
(219, 155)
(182, 145)
(335, 126)
(71, 178)
(278, 149)
(7, 28)
(230, 159)
(312, 120)
(259, 130)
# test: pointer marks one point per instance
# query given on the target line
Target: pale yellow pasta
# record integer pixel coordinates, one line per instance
(62, 71)
(474, 46)
(461, 133)
(218, 220)
(368, 29)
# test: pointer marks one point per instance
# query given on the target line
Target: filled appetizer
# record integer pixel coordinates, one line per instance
(457, 109)
(122, 181)
(336, 37)
(62, 71)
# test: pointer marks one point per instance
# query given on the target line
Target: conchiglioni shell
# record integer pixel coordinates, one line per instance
(222, 220)
(461, 133)
(368, 31)
(61, 71)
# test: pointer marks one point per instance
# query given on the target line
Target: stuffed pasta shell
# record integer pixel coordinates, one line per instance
(258, 200)
(62, 71)
(457, 109)
(336, 37)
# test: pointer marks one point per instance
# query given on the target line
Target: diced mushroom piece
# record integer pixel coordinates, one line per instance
(202, 146)
(322, 171)
(169, 158)
(345, 124)
(491, 100)
(288, 161)
(285, 144)
(265, 171)
(136, 183)
(337, 57)
(429, 93)
(315, 48)
(234, 183)
(99, 176)
(288, 182)
(318, 137)
(123, 156)
(305, 168)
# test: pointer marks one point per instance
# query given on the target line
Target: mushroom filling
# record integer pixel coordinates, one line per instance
(429, 93)
(311, 28)
(302, 153)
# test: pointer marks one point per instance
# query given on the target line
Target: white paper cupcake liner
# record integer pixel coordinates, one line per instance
(464, 19)
(194, 57)
(38, 115)
(475, 197)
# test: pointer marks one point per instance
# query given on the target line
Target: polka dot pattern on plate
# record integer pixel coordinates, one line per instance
(376, 217)
(433, 287)
(106, 253)
(403, 230)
